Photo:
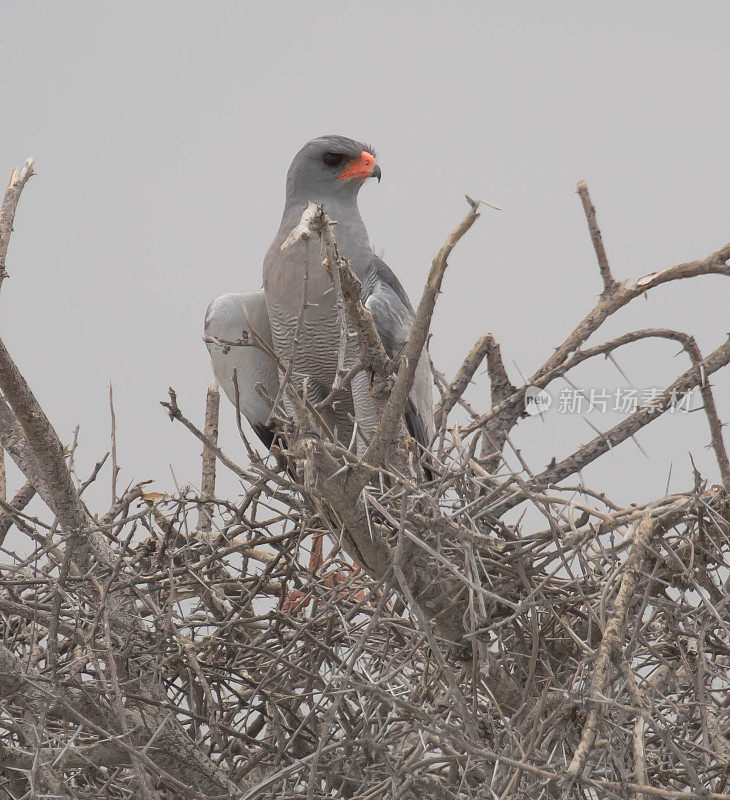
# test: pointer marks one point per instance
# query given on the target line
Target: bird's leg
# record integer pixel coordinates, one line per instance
(316, 559)
(299, 599)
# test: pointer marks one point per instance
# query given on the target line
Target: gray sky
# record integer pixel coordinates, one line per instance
(162, 132)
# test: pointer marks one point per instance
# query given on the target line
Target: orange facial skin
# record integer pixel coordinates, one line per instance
(363, 166)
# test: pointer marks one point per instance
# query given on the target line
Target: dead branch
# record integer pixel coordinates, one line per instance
(48, 453)
(207, 481)
(393, 410)
(610, 642)
(24, 495)
(609, 283)
(462, 379)
(496, 431)
(713, 264)
(18, 179)
(693, 377)
(113, 436)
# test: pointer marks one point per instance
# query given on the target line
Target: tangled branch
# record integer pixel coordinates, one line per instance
(178, 646)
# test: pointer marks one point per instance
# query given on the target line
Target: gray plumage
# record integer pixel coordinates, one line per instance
(225, 319)
(315, 175)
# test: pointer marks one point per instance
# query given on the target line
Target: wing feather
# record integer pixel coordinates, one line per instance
(225, 319)
(386, 300)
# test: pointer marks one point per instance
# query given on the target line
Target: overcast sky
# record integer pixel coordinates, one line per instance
(162, 132)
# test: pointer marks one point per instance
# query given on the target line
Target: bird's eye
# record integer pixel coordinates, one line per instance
(333, 159)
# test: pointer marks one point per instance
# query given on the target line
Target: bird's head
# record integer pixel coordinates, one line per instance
(330, 166)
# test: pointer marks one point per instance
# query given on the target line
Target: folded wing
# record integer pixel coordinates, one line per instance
(225, 319)
(392, 313)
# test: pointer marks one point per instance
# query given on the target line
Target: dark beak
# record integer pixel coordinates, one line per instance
(376, 173)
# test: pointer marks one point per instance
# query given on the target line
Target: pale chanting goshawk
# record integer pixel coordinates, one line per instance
(329, 170)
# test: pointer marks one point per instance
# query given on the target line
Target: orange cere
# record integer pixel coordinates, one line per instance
(360, 167)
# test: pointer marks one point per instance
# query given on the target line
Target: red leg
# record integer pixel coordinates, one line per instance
(316, 559)
(299, 599)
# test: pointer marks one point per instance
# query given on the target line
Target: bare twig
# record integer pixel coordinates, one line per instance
(207, 480)
(713, 420)
(495, 432)
(393, 411)
(609, 284)
(664, 402)
(713, 264)
(48, 453)
(115, 465)
(3, 476)
(18, 179)
(610, 641)
(462, 379)
(24, 495)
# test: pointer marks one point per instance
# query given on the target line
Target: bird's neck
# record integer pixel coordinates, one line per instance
(341, 208)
